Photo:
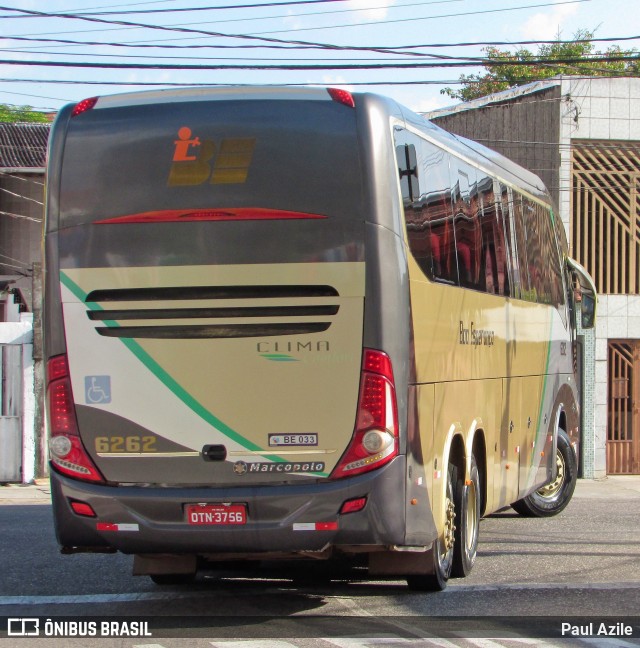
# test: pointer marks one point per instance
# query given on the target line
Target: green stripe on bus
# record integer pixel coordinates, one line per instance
(167, 379)
(545, 378)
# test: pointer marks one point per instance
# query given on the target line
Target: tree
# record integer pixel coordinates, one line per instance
(21, 114)
(506, 69)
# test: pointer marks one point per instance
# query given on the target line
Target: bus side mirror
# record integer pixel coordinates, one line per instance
(585, 293)
(588, 310)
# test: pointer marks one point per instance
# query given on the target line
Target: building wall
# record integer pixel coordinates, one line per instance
(525, 129)
(21, 213)
(601, 109)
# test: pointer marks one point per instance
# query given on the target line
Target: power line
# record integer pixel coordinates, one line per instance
(339, 66)
(356, 48)
(5, 256)
(21, 216)
(420, 18)
(16, 195)
(31, 179)
(193, 9)
(266, 5)
(255, 37)
(215, 85)
(217, 58)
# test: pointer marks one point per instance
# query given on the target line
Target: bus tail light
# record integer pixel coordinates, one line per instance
(342, 96)
(83, 106)
(67, 453)
(375, 439)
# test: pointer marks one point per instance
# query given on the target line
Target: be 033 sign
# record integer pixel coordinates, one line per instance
(310, 439)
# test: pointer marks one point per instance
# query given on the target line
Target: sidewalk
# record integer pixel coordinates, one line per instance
(37, 493)
(625, 487)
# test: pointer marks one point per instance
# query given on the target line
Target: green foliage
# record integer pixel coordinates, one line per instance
(21, 114)
(502, 77)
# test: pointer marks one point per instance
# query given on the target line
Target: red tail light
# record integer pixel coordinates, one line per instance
(375, 439)
(83, 106)
(224, 214)
(65, 446)
(342, 96)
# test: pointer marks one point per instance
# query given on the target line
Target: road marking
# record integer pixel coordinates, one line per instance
(254, 643)
(506, 587)
(354, 642)
(346, 602)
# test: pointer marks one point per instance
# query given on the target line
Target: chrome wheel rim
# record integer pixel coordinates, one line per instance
(471, 518)
(553, 489)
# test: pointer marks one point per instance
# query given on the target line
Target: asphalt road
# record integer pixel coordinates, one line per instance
(584, 563)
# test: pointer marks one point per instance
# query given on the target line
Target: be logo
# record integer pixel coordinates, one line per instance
(196, 162)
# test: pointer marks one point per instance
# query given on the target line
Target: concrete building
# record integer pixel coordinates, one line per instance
(581, 135)
(23, 149)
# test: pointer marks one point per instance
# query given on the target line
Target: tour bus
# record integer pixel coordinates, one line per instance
(300, 323)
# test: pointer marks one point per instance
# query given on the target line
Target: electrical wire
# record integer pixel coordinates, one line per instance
(31, 179)
(338, 66)
(253, 37)
(15, 195)
(193, 9)
(21, 216)
(376, 48)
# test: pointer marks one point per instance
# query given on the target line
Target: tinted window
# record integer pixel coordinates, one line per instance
(428, 214)
(206, 155)
(456, 223)
(467, 210)
(494, 276)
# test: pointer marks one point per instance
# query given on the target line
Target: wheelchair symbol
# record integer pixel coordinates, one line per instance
(97, 389)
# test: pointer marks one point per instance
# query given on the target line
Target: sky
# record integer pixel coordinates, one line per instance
(171, 34)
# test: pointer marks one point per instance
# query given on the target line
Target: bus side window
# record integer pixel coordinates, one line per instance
(427, 214)
(501, 244)
(468, 236)
(437, 198)
(537, 228)
(521, 235)
(489, 280)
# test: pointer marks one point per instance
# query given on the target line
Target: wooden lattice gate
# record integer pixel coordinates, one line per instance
(605, 223)
(623, 429)
(605, 238)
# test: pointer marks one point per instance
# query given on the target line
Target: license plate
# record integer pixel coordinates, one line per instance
(293, 439)
(216, 514)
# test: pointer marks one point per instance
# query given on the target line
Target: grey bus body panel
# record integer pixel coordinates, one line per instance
(154, 518)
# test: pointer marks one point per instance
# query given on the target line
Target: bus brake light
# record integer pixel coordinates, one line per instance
(375, 439)
(66, 450)
(83, 106)
(342, 96)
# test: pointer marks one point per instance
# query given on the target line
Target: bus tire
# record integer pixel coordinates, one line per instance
(467, 529)
(443, 546)
(554, 497)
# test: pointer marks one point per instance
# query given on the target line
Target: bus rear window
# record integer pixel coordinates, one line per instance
(286, 156)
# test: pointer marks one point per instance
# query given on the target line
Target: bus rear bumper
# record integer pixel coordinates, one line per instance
(285, 520)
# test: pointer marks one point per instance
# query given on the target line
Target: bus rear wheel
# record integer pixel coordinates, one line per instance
(554, 497)
(467, 529)
(443, 547)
